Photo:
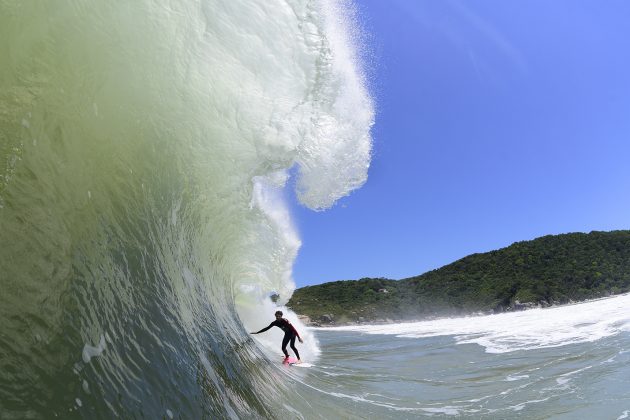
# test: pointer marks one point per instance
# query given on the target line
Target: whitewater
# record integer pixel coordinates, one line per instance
(146, 153)
(570, 362)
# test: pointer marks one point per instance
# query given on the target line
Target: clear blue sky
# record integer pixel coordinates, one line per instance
(497, 121)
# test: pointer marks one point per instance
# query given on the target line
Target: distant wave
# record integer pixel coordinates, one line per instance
(526, 330)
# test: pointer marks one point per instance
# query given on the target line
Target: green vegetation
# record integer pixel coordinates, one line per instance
(549, 270)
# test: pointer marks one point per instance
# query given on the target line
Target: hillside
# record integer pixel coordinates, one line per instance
(553, 269)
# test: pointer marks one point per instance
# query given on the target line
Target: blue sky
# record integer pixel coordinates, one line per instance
(497, 121)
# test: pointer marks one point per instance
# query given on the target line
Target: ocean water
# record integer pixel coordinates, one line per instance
(145, 152)
(570, 362)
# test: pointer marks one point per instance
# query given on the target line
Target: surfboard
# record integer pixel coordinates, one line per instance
(302, 365)
(292, 361)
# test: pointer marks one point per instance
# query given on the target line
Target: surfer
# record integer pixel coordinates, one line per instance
(290, 333)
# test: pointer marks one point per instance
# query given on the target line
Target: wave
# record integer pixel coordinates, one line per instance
(144, 152)
(525, 330)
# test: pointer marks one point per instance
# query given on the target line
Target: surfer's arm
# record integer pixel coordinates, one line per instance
(265, 329)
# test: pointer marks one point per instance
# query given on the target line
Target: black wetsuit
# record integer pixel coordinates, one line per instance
(290, 333)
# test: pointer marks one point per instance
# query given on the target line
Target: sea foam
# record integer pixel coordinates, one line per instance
(525, 330)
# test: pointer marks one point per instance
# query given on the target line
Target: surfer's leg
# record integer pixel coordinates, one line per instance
(285, 341)
(293, 348)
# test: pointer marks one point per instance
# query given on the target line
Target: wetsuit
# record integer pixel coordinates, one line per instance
(290, 333)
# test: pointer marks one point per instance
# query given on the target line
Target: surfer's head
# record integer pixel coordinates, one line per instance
(278, 314)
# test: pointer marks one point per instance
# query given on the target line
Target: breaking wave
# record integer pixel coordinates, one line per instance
(144, 151)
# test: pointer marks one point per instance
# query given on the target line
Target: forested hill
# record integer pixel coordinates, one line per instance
(553, 269)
